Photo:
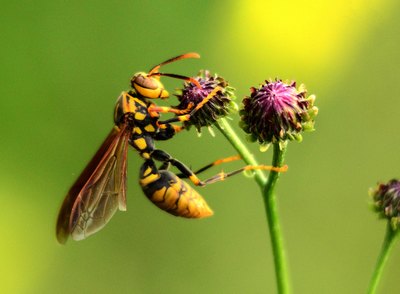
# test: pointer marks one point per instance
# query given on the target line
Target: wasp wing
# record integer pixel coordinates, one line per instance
(98, 192)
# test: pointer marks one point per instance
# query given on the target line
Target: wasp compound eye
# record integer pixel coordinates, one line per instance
(219, 104)
(277, 112)
(148, 86)
(143, 81)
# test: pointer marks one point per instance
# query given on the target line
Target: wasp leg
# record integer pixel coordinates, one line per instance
(186, 172)
(186, 117)
(165, 109)
(222, 176)
(167, 131)
(163, 156)
(164, 166)
(216, 162)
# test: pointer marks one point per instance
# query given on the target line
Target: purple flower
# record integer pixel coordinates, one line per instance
(386, 201)
(220, 105)
(277, 112)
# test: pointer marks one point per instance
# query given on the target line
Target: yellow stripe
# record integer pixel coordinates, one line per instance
(158, 196)
(149, 179)
(184, 117)
(147, 172)
(145, 155)
(127, 105)
(148, 93)
(149, 128)
(140, 143)
(139, 116)
(124, 103)
(194, 179)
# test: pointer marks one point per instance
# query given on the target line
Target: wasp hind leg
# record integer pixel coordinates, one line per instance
(222, 175)
(214, 163)
(164, 157)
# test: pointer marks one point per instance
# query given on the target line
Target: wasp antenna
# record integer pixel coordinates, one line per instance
(185, 78)
(173, 59)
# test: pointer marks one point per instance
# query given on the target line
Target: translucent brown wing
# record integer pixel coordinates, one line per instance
(98, 192)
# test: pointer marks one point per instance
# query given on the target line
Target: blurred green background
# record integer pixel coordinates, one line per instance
(63, 64)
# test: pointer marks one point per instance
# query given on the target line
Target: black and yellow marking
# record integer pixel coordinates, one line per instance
(101, 188)
(170, 193)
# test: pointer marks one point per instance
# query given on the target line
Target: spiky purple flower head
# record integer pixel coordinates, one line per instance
(277, 112)
(220, 105)
(386, 201)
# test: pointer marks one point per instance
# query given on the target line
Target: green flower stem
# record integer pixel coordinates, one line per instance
(233, 138)
(387, 246)
(267, 187)
(281, 270)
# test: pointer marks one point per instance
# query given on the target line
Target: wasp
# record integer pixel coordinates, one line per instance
(100, 190)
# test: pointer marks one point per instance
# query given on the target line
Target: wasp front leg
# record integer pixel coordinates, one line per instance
(167, 131)
(181, 114)
(182, 117)
(155, 110)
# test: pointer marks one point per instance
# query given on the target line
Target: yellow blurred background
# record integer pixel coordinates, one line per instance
(63, 64)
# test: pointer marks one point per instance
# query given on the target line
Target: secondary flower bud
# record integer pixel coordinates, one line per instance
(277, 112)
(386, 201)
(220, 105)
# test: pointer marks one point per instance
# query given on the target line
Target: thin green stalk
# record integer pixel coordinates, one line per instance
(281, 270)
(267, 187)
(387, 246)
(233, 138)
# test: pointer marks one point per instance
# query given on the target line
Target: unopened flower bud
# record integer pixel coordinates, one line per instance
(386, 201)
(277, 112)
(220, 104)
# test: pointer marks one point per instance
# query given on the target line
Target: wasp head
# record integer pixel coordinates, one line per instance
(148, 86)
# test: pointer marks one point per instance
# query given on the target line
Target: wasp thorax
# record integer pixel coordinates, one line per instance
(148, 86)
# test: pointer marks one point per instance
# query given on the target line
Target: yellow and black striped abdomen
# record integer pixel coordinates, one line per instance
(175, 196)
